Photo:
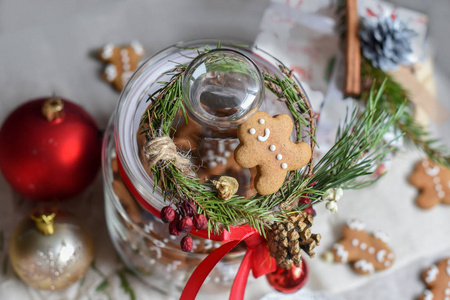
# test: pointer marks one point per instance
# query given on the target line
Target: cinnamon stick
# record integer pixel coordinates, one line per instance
(353, 51)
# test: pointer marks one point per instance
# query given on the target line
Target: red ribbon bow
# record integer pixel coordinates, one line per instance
(257, 257)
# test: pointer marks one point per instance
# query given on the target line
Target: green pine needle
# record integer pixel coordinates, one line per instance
(392, 99)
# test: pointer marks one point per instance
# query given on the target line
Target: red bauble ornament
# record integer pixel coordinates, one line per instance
(49, 149)
(288, 281)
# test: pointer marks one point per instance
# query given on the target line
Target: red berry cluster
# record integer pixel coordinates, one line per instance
(182, 220)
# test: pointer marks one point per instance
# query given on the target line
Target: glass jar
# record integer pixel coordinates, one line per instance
(141, 239)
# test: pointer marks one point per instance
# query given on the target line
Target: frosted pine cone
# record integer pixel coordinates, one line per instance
(287, 239)
(387, 42)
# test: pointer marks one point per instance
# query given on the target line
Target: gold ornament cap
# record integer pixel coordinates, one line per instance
(44, 222)
(53, 109)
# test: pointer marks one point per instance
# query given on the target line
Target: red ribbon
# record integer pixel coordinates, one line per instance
(257, 257)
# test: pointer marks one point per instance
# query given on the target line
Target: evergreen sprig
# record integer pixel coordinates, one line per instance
(393, 97)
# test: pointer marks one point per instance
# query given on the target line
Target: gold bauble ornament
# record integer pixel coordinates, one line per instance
(51, 251)
(226, 186)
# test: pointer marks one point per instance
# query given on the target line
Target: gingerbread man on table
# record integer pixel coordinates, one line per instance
(366, 252)
(121, 62)
(264, 143)
(437, 280)
(433, 182)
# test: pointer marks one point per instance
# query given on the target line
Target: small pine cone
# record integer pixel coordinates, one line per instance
(286, 239)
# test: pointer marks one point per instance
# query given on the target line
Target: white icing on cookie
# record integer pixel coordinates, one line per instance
(137, 47)
(284, 165)
(433, 171)
(380, 255)
(212, 164)
(107, 51)
(125, 56)
(387, 263)
(381, 235)
(355, 242)
(432, 274)
(363, 246)
(391, 256)
(227, 153)
(279, 156)
(266, 135)
(221, 160)
(447, 292)
(356, 224)
(371, 250)
(252, 131)
(364, 266)
(126, 66)
(261, 121)
(272, 148)
(111, 72)
(221, 146)
(428, 295)
(341, 252)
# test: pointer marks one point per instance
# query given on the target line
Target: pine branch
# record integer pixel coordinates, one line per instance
(394, 97)
(358, 149)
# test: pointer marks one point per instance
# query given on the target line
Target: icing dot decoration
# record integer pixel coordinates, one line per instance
(272, 148)
(284, 165)
(279, 156)
(252, 131)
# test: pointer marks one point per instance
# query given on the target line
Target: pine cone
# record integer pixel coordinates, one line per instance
(386, 42)
(286, 239)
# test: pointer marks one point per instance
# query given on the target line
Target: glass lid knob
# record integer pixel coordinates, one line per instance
(222, 88)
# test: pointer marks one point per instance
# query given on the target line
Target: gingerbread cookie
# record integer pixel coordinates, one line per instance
(264, 143)
(437, 280)
(122, 62)
(433, 182)
(366, 252)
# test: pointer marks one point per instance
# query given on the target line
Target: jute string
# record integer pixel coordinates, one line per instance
(163, 149)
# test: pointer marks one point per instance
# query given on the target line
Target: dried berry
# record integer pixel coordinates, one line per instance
(168, 214)
(188, 208)
(173, 228)
(200, 222)
(186, 244)
(310, 210)
(185, 224)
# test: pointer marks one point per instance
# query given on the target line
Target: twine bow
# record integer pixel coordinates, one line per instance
(163, 149)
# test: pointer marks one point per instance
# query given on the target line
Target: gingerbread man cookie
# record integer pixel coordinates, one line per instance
(433, 183)
(264, 143)
(366, 252)
(437, 280)
(122, 62)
